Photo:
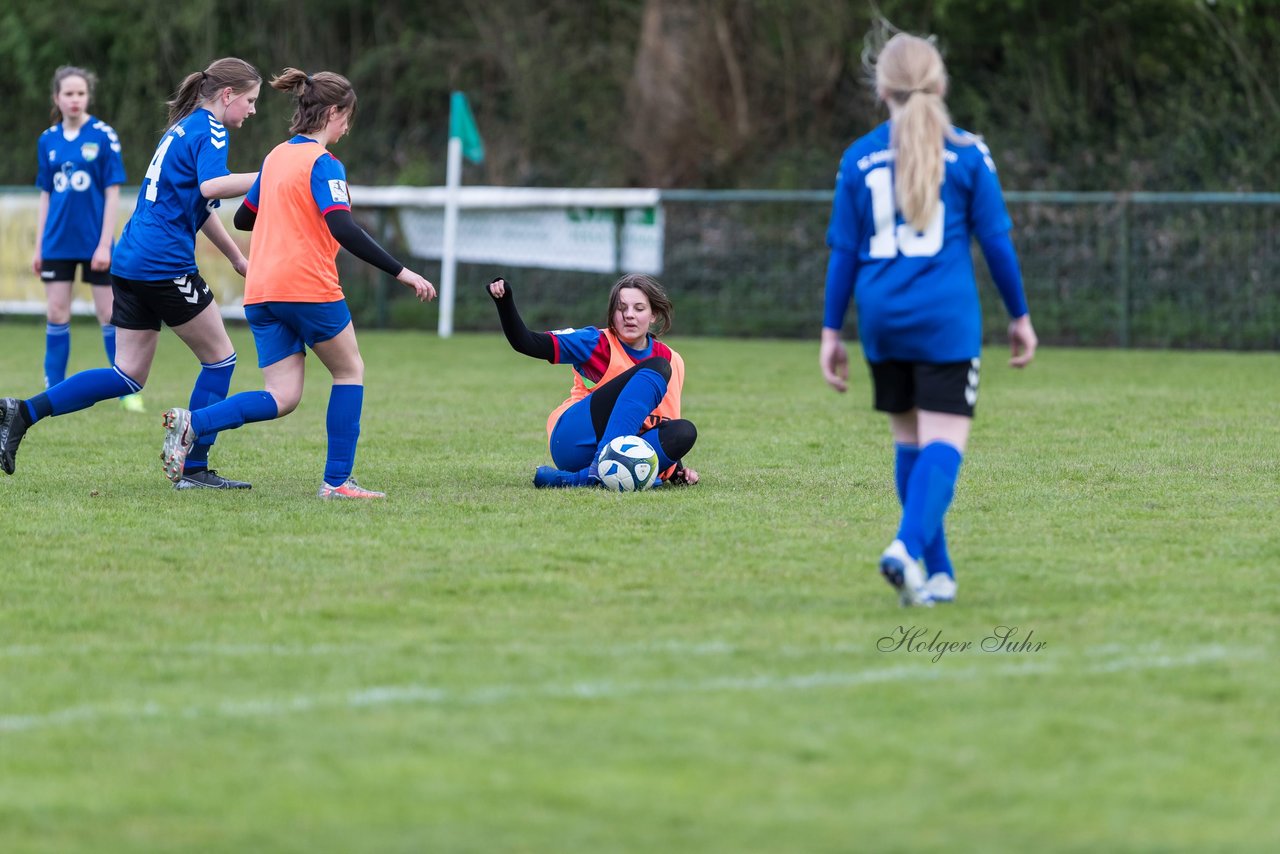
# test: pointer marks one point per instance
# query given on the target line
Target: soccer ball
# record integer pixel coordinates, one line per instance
(627, 464)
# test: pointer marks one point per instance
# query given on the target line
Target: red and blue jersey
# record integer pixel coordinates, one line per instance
(76, 173)
(598, 355)
(589, 351)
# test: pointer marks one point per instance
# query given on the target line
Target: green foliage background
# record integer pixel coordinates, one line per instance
(1098, 94)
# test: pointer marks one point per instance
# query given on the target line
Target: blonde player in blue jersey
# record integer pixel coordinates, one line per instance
(79, 171)
(910, 197)
(154, 275)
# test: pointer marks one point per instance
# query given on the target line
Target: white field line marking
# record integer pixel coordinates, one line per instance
(419, 695)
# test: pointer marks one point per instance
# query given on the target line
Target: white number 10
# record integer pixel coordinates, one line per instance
(889, 239)
(153, 170)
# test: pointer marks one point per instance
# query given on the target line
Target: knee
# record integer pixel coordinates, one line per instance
(659, 365)
(287, 399)
(58, 313)
(677, 437)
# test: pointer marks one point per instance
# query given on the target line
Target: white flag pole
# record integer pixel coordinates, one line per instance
(449, 255)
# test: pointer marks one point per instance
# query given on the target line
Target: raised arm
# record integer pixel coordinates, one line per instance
(539, 345)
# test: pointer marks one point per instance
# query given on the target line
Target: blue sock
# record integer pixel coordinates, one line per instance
(929, 490)
(641, 396)
(343, 423)
(109, 342)
(80, 391)
(57, 349)
(211, 387)
(936, 558)
(236, 411)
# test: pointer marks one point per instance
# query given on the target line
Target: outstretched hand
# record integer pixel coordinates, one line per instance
(421, 287)
(1022, 341)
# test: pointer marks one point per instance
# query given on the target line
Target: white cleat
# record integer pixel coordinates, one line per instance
(941, 587)
(178, 440)
(904, 574)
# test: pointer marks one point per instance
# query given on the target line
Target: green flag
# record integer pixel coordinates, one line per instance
(463, 126)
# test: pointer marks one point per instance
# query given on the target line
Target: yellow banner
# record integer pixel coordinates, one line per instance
(18, 284)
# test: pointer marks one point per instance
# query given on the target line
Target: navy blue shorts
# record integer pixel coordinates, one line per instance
(281, 329)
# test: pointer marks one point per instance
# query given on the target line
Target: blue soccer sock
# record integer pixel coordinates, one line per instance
(343, 423)
(936, 557)
(641, 395)
(57, 350)
(80, 391)
(109, 342)
(930, 487)
(236, 411)
(211, 387)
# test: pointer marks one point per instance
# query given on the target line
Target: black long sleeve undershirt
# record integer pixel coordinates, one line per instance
(345, 230)
(539, 345)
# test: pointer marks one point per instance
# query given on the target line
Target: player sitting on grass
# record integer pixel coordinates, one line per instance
(625, 382)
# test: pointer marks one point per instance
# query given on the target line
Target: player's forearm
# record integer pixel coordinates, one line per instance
(228, 186)
(42, 217)
(111, 202)
(538, 345)
(218, 236)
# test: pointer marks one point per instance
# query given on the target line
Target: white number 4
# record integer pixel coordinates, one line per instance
(153, 171)
(889, 238)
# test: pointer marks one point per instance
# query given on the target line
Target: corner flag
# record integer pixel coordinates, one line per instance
(462, 126)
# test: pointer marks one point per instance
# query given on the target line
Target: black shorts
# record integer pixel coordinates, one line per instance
(144, 305)
(65, 271)
(902, 386)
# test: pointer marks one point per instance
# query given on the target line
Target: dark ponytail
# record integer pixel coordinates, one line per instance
(314, 95)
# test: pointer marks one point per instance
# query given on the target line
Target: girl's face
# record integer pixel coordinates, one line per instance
(632, 317)
(72, 99)
(339, 124)
(240, 106)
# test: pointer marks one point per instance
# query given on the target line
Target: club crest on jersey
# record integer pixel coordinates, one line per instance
(338, 190)
(89, 151)
(53, 156)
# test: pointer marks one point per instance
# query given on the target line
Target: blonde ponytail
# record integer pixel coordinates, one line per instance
(910, 74)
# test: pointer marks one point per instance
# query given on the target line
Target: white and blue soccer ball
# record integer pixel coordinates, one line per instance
(627, 464)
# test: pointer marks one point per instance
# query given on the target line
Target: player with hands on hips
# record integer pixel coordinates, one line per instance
(625, 382)
(299, 211)
(910, 197)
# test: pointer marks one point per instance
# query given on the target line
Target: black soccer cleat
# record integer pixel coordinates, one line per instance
(12, 428)
(209, 479)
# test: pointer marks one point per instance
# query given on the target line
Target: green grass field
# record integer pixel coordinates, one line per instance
(477, 666)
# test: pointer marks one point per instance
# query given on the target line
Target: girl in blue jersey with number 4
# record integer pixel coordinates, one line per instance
(155, 280)
(79, 173)
(909, 198)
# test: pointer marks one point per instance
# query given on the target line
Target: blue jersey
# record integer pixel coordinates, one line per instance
(916, 292)
(76, 173)
(159, 241)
